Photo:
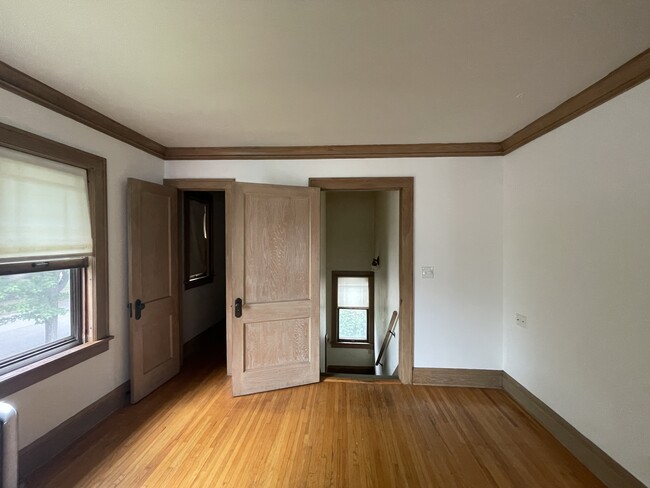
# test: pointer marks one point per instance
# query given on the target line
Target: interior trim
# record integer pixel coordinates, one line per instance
(630, 74)
(594, 458)
(406, 309)
(337, 152)
(45, 448)
(467, 378)
(30, 374)
(36, 91)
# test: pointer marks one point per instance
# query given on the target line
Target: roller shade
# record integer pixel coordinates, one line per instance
(353, 292)
(44, 209)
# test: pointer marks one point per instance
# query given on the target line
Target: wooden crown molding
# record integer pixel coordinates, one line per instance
(36, 91)
(630, 74)
(334, 152)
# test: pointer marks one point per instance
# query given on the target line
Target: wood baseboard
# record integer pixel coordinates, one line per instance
(595, 459)
(468, 378)
(45, 448)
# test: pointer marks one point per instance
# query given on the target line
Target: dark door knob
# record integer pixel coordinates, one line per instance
(139, 307)
(238, 306)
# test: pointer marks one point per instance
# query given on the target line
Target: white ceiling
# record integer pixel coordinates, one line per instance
(312, 72)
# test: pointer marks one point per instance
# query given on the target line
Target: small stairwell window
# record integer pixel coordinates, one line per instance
(353, 322)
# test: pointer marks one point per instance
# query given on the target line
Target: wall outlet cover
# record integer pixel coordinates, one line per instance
(521, 320)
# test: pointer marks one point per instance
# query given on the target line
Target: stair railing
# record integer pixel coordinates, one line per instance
(390, 333)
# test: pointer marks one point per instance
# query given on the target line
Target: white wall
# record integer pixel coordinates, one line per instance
(45, 405)
(386, 276)
(205, 305)
(350, 245)
(458, 229)
(577, 263)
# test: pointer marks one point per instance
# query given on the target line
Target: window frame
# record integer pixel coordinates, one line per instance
(205, 199)
(95, 286)
(370, 329)
(77, 268)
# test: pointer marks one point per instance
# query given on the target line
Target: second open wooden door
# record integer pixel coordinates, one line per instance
(153, 286)
(275, 287)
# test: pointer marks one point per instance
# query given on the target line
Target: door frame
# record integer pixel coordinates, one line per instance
(208, 184)
(406, 313)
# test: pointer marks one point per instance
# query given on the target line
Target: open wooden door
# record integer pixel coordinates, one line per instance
(275, 287)
(153, 286)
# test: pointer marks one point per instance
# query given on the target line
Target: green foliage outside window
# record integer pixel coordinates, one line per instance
(35, 297)
(353, 324)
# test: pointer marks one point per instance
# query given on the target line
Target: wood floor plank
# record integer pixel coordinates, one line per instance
(193, 433)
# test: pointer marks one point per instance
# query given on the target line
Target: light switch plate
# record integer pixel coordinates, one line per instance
(427, 272)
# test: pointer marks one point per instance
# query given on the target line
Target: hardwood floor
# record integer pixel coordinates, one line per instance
(192, 432)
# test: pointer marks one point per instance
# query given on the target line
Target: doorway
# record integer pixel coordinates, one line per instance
(403, 186)
(203, 255)
(204, 263)
(360, 269)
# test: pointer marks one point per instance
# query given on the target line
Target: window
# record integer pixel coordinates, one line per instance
(53, 302)
(198, 238)
(40, 312)
(353, 305)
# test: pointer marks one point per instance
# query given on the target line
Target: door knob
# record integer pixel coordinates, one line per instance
(139, 307)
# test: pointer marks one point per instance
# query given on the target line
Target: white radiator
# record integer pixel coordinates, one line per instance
(8, 446)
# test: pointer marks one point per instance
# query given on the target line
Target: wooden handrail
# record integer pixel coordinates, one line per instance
(389, 333)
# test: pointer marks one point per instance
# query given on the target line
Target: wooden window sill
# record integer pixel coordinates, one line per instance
(33, 373)
(354, 345)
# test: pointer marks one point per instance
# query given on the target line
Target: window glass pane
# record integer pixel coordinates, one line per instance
(198, 239)
(353, 292)
(34, 311)
(44, 208)
(353, 325)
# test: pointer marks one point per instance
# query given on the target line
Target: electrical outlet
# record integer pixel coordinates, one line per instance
(522, 320)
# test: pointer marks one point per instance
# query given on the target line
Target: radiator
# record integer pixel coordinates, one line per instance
(8, 446)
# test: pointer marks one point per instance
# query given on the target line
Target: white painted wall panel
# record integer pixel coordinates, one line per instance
(458, 228)
(577, 264)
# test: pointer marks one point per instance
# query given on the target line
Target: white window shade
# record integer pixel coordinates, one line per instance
(353, 292)
(44, 209)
